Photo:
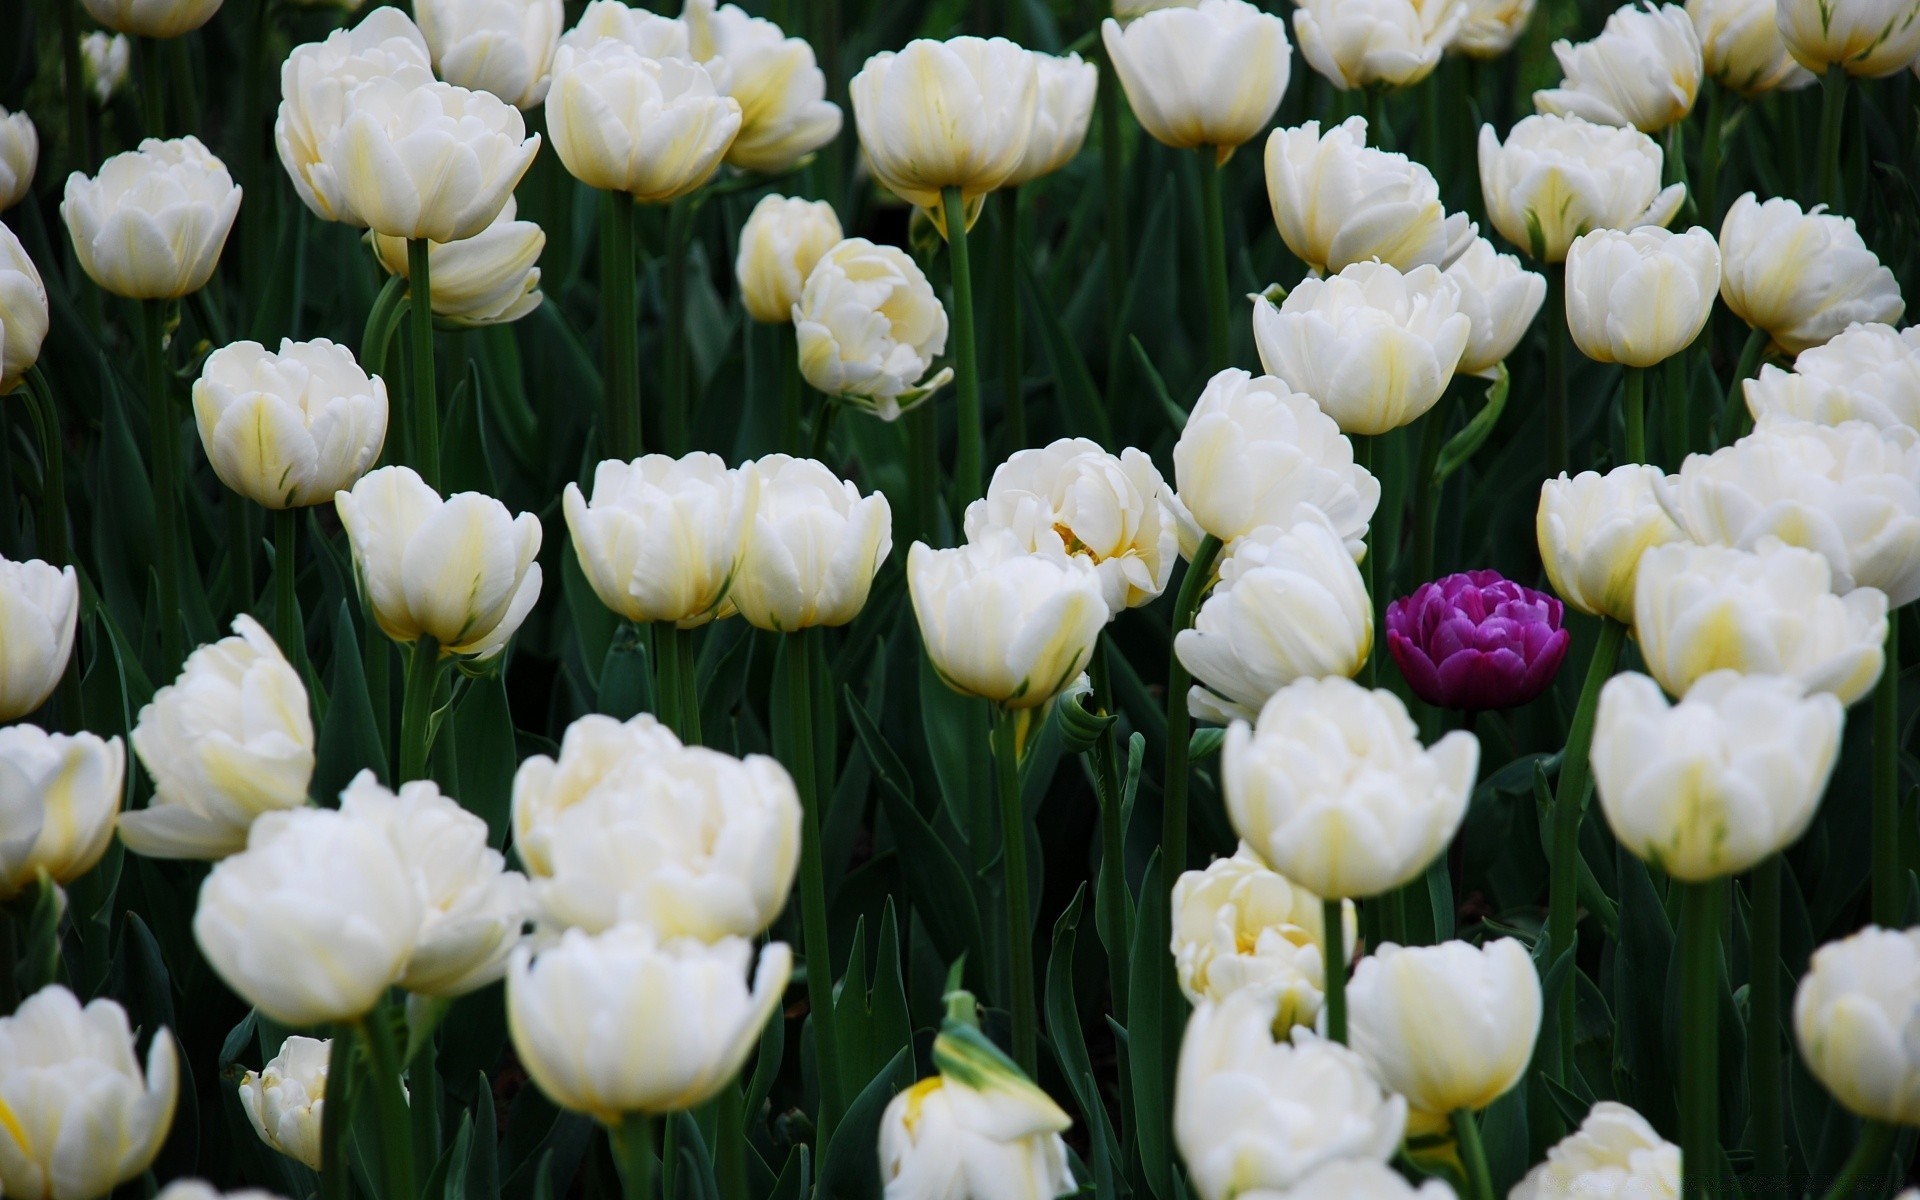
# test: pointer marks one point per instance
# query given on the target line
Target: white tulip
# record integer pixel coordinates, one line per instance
(19, 156)
(460, 570)
(1338, 201)
(782, 241)
(82, 1116)
(1711, 786)
(1489, 28)
(1207, 75)
(1766, 611)
(1852, 1018)
(620, 1022)
(1865, 38)
(1556, 178)
(1641, 297)
(1869, 373)
(1449, 1027)
(24, 316)
(152, 18)
(1375, 43)
(629, 825)
(784, 111)
(285, 1101)
(1741, 45)
(288, 430)
(869, 326)
(491, 278)
(1614, 1153)
(1358, 1179)
(614, 20)
(1642, 71)
(1374, 347)
(200, 1189)
(39, 610)
(1499, 299)
(151, 224)
(499, 46)
(623, 121)
(59, 796)
(813, 547)
(106, 59)
(1061, 115)
(1592, 530)
(662, 538)
(1801, 276)
(1125, 11)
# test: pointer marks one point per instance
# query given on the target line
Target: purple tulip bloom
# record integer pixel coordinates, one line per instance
(1476, 641)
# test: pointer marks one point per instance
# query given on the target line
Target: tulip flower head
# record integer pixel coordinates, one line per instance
(1869, 373)
(24, 316)
(661, 539)
(285, 1100)
(1489, 28)
(500, 46)
(784, 113)
(648, 32)
(1476, 641)
(1641, 297)
(1375, 43)
(1615, 1152)
(813, 547)
(624, 121)
(1741, 45)
(1499, 299)
(1850, 1017)
(289, 430)
(1865, 38)
(1061, 114)
(1555, 178)
(152, 223)
(19, 156)
(869, 326)
(39, 611)
(59, 797)
(490, 278)
(1211, 74)
(1592, 530)
(152, 18)
(106, 59)
(1804, 277)
(1643, 71)
(783, 240)
(1338, 201)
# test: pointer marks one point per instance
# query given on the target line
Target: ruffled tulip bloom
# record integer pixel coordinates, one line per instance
(1869, 373)
(1362, 1179)
(1615, 1152)
(491, 278)
(314, 920)
(1061, 115)
(1256, 452)
(1643, 71)
(62, 795)
(1489, 28)
(1373, 346)
(106, 60)
(1766, 611)
(460, 570)
(1073, 499)
(1290, 605)
(621, 121)
(648, 32)
(1865, 38)
(1640, 298)
(1592, 530)
(82, 1116)
(229, 739)
(1333, 789)
(784, 238)
(1741, 46)
(1499, 299)
(1849, 491)
(1253, 1116)
(1241, 925)
(1338, 201)
(152, 223)
(1003, 624)
(39, 610)
(1375, 43)
(19, 156)
(784, 111)
(24, 316)
(1851, 1016)
(285, 1101)
(288, 430)
(1556, 178)
(1804, 277)
(500, 46)
(1476, 641)
(620, 1022)
(1713, 785)
(661, 538)
(1449, 1027)
(869, 326)
(813, 547)
(1207, 75)
(152, 18)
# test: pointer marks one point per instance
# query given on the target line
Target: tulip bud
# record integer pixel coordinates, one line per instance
(1592, 530)
(1640, 298)
(289, 430)
(784, 111)
(1255, 452)
(459, 570)
(1374, 347)
(1288, 781)
(39, 609)
(1290, 605)
(152, 18)
(1375, 43)
(82, 1116)
(226, 741)
(1253, 1116)
(1499, 300)
(1338, 201)
(1851, 1015)
(621, 1022)
(285, 1101)
(1073, 499)
(499, 46)
(1615, 1152)
(868, 326)
(1556, 178)
(1449, 1027)
(1489, 28)
(1476, 641)
(490, 278)
(662, 538)
(1207, 75)
(629, 825)
(59, 796)
(1003, 624)
(24, 316)
(1711, 786)
(105, 62)
(1802, 277)
(1240, 925)
(1869, 373)
(782, 241)
(1741, 45)
(1061, 115)
(314, 920)
(1864, 38)
(813, 547)
(1643, 71)
(655, 128)
(1766, 611)
(151, 224)
(1849, 491)
(19, 155)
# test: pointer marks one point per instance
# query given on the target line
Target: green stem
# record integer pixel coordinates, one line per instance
(1113, 185)
(1363, 446)
(1735, 420)
(620, 329)
(1013, 850)
(416, 709)
(1833, 115)
(1569, 803)
(1007, 319)
(791, 394)
(1556, 319)
(426, 398)
(674, 296)
(1473, 1155)
(1678, 398)
(389, 307)
(632, 1142)
(1708, 185)
(79, 146)
(1888, 892)
(153, 89)
(1699, 1036)
(1110, 896)
(1213, 217)
(286, 564)
(1333, 939)
(164, 432)
(423, 1101)
(668, 690)
(966, 360)
(1379, 129)
(797, 662)
(336, 1180)
(1173, 832)
(390, 1102)
(1867, 1164)
(1433, 437)
(1765, 1062)
(377, 659)
(689, 729)
(1633, 408)
(730, 1142)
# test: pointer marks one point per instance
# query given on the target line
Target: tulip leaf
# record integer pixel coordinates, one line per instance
(483, 732)
(1205, 743)
(349, 740)
(39, 961)
(1473, 435)
(1065, 1028)
(1504, 1135)
(1643, 1073)
(955, 727)
(1176, 416)
(1149, 992)
(766, 1065)
(1080, 401)
(694, 1162)
(796, 1177)
(850, 1168)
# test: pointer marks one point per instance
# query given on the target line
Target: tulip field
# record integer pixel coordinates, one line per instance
(959, 599)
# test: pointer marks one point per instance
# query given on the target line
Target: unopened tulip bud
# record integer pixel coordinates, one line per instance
(1207, 75)
(1615, 1152)
(59, 797)
(784, 111)
(1061, 116)
(1555, 178)
(1338, 201)
(1869, 373)
(1850, 1018)
(869, 326)
(19, 156)
(1640, 298)
(661, 538)
(1499, 298)
(1592, 530)
(1804, 277)
(491, 278)
(24, 316)
(1489, 28)
(621, 121)
(106, 59)
(813, 547)
(1642, 71)
(499, 46)
(285, 1101)
(783, 240)
(39, 609)
(152, 223)
(152, 18)
(288, 430)
(1741, 46)
(1864, 38)
(1375, 43)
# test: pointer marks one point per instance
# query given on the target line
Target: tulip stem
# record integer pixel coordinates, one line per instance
(1113, 185)
(673, 295)
(1473, 1155)
(1699, 1036)
(1433, 437)
(1708, 189)
(416, 711)
(336, 1181)
(1007, 319)
(1173, 832)
(1569, 803)
(1734, 419)
(164, 432)
(1110, 889)
(1214, 218)
(1833, 116)
(1764, 1060)
(1556, 318)
(396, 1131)
(1889, 893)
(80, 133)
(1678, 398)
(632, 1143)
(286, 603)
(426, 399)
(1633, 410)
(1867, 1165)
(620, 329)
(791, 393)
(730, 1141)
(796, 660)
(1013, 857)
(1333, 918)
(689, 661)
(967, 456)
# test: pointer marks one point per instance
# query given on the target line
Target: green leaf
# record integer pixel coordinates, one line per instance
(1148, 1025)
(955, 727)
(1079, 398)
(349, 740)
(850, 1167)
(1643, 1073)
(39, 963)
(1176, 416)
(796, 1177)
(1463, 445)
(1064, 1026)
(626, 676)
(483, 730)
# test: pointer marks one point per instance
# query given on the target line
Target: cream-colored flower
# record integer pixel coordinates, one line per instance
(1375, 43)
(1641, 297)
(1642, 71)
(869, 326)
(1852, 1018)
(1489, 28)
(784, 111)
(1209, 74)
(1865, 38)
(1555, 178)
(1614, 1153)
(1741, 45)
(499, 46)
(1592, 530)
(1338, 201)
(289, 429)
(152, 18)
(813, 548)
(1061, 114)
(661, 539)
(1500, 299)
(59, 797)
(24, 316)
(1802, 276)
(39, 610)
(285, 1100)
(106, 60)
(1869, 373)
(491, 278)
(19, 156)
(784, 238)
(152, 223)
